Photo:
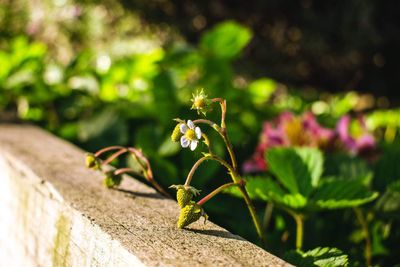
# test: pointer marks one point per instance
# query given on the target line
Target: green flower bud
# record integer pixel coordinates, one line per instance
(176, 133)
(112, 180)
(189, 214)
(184, 194)
(93, 162)
(200, 102)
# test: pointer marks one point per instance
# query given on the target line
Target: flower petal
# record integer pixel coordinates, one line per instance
(193, 145)
(190, 124)
(198, 132)
(183, 127)
(184, 142)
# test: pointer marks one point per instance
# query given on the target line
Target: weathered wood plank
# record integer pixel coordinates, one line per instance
(55, 212)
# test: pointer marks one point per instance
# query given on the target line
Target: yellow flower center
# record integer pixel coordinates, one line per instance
(199, 102)
(190, 134)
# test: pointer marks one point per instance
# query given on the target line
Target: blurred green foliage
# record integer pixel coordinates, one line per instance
(96, 75)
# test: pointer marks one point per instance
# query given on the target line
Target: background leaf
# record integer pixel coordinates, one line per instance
(298, 169)
(325, 256)
(226, 40)
(336, 194)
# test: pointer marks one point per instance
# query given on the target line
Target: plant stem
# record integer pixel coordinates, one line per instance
(268, 214)
(215, 192)
(129, 170)
(106, 149)
(223, 133)
(114, 156)
(211, 123)
(232, 169)
(299, 229)
(364, 225)
(200, 161)
(230, 149)
(253, 213)
(207, 142)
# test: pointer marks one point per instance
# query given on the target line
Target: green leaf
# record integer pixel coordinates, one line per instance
(337, 194)
(168, 148)
(390, 201)
(265, 189)
(258, 188)
(325, 257)
(347, 167)
(226, 40)
(298, 169)
(387, 169)
(261, 90)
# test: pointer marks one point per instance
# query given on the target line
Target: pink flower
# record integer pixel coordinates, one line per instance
(288, 130)
(364, 143)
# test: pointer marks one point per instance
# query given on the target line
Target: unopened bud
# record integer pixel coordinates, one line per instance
(112, 180)
(176, 133)
(93, 162)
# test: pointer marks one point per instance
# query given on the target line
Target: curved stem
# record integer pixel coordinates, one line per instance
(106, 149)
(211, 123)
(200, 161)
(364, 225)
(114, 156)
(215, 192)
(129, 170)
(222, 132)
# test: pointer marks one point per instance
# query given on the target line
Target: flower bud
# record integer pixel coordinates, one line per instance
(200, 102)
(176, 133)
(111, 179)
(189, 214)
(93, 162)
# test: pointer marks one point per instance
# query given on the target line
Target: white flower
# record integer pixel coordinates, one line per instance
(191, 135)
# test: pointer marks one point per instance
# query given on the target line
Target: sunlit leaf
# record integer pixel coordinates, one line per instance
(338, 193)
(321, 256)
(225, 40)
(298, 169)
(261, 90)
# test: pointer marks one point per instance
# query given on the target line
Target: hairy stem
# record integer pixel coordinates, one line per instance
(215, 192)
(364, 225)
(200, 161)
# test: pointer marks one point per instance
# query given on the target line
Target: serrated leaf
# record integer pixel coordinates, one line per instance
(390, 200)
(264, 188)
(298, 169)
(344, 166)
(258, 188)
(226, 40)
(336, 194)
(325, 257)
